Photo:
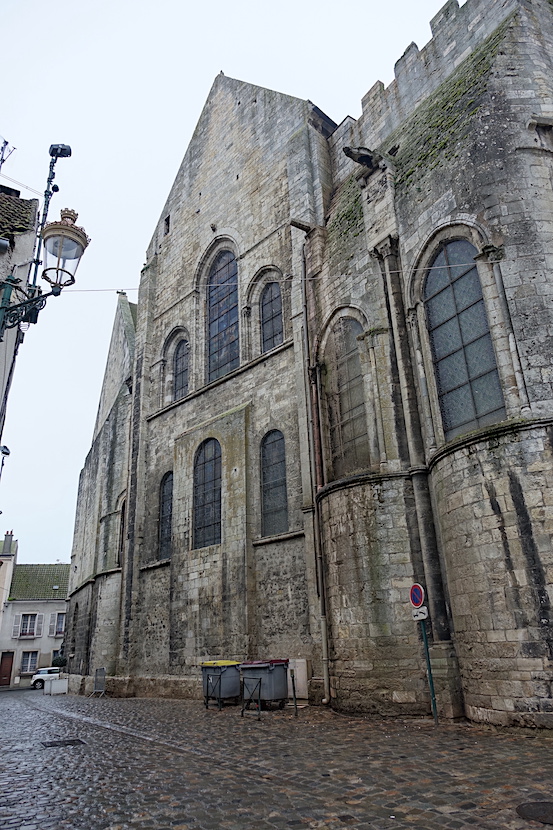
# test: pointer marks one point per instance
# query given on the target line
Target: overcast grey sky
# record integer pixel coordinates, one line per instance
(123, 82)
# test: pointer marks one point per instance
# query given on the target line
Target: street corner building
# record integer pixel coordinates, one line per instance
(18, 220)
(32, 615)
(337, 382)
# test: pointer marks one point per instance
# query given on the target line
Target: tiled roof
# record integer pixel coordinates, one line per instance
(38, 581)
(16, 215)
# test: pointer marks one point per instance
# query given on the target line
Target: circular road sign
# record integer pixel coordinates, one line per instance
(416, 595)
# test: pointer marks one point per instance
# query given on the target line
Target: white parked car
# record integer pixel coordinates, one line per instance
(37, 681)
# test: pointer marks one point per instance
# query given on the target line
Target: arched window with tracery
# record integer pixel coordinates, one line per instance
(345, 397)
(222, 303)
(180, 370)
(165, 516)
(469, 390)
(274, 499)
(272, 332)
(207, 494)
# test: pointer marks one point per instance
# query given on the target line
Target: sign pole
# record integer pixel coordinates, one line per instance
(420, 613)
(429, 671)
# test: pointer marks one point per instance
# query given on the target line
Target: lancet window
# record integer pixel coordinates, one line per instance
(272, 332)
(222, 302)
(180, 370)
(274, 501)
(345, 396)
(165, 516)
(207, 494)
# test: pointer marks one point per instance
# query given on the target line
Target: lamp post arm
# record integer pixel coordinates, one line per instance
(12, 315)
(47, 196)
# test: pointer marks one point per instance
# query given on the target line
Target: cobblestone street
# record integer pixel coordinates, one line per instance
(146, 763)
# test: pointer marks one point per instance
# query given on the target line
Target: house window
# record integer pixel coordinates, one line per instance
(57, 625)
(207, 494)
(349, 442)
(468, 384)
(274, 502)
(28, 625)
(222, 301)
(180, 370)
(271, 317)
(165, 515)
(29, 661)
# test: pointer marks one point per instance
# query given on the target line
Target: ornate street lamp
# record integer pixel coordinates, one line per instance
(64, 245)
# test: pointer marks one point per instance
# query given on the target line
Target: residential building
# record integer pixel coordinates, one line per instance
(32, 623)
(18, 219)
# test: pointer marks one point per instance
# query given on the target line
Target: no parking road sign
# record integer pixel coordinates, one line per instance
(416, 595)
(420, 614)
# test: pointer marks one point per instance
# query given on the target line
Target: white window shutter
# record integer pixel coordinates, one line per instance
(39, 621)
(52, 627)
(16, 625)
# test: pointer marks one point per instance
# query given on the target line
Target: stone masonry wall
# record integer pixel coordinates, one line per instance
(376, 660)
(494, 499)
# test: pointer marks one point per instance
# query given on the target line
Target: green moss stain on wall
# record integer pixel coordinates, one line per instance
(345, 226)
(442, 122)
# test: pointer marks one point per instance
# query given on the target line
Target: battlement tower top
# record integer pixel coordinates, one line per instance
(456, 32)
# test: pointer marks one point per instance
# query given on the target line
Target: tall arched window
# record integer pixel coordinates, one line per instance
(274, 500)
(207, 494)
(349, 441)
(222, 302)
(122, 533)
(271, 317)
(165, 515)
(468, 384)
(180, 370)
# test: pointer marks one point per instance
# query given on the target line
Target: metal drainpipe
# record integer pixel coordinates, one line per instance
(315, 476)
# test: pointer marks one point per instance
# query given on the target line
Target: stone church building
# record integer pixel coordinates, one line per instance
(337, 381)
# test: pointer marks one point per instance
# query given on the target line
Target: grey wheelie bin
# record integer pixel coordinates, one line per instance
(263, 681)
(221, 680)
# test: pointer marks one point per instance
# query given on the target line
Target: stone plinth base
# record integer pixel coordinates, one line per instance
(189, 688)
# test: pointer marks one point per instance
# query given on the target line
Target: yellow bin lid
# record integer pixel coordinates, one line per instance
(221, 663)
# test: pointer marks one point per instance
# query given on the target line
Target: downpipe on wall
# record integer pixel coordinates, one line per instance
(310, 385)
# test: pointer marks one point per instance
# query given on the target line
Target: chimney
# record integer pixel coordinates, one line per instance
(7, 549)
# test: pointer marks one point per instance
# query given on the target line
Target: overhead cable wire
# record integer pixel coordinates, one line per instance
(426, 269)
(26, 187)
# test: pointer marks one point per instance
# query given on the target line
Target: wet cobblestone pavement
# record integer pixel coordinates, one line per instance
(173, 765)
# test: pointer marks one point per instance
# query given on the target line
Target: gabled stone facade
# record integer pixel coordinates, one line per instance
(340, 384)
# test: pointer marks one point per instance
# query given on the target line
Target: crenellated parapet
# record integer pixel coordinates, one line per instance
(456, 32)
